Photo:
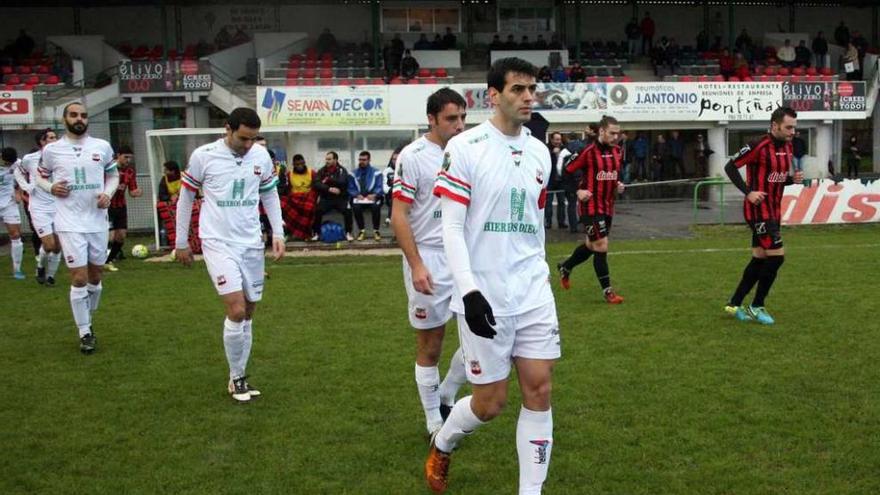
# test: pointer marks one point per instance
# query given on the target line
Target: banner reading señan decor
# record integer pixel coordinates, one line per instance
(826, 100)
(16, 107)
(324, 105)
(849, 201)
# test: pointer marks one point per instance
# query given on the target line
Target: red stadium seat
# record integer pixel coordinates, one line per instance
(396, 80)
(310, 74)
(779, 78)
(797, 71)
(811, 71)
(733, 79)
(25, 69)
(783, 71)
(309, 82)
(441, 72)
(424, 72)
(826, 78)
(28, 87)
(813, 77)
(796, 78)
(686, 79)
(53, 79)
(826, 71)
(360, 82)
(377, 80)
(771, 70)
(42, 69)
(593, 79)
(291, 81)
(33, 80)
(13, 80)
(311, 64)
(765, 78)
(627, 79)
(326, 73)
(429, 80)
(718, 78)
(703, 78)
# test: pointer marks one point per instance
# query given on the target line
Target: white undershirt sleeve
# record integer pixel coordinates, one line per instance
(454, 215)
(20, 179)
(272, 205)
(184, 215)
(111, 182)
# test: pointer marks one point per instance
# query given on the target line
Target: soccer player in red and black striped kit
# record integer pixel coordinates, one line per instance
(118, 211)
(767, 161)
(601, 163)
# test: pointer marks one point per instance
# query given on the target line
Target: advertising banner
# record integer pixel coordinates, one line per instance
(16, 107)
(849, 201)
(709, 101)
(325, 105)
(164, 76)
(831, 100)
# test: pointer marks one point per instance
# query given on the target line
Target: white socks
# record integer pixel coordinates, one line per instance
(428, 382)
(246, 328)
(17, 253)
(94, 295)
(42, 256)
(54, 260)
(461, 422)
(79, 304)
(455, 378)
(534, 441)
(233, 342)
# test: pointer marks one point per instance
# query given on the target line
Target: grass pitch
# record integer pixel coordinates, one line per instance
(663, 394)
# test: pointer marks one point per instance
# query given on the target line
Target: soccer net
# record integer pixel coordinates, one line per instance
(313, 143)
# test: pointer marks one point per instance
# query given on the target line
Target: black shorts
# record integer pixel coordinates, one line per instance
(598, 226)
(766, 234)
(118, 217)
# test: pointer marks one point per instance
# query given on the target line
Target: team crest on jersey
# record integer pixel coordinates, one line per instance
(475, 367)
(447, 161)
(539, 176)
(70, 259)
(257, 170)
(421, 313)
(221, 280)
(516, 155)
(96, 157)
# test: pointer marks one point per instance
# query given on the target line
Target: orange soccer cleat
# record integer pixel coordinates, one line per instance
(611, 297)
(437, 469)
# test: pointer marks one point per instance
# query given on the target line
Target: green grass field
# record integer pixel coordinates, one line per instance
(662, 395)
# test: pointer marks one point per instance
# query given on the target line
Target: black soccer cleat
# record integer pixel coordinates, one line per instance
(238, 390)
(444, 411)
(251, 390)
(50, 281)
(88, 343)
(41, 275)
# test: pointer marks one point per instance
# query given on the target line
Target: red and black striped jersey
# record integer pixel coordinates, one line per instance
(767, 163)
(127, 180)
(602, 166)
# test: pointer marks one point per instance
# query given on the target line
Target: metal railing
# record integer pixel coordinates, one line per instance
(709, 183)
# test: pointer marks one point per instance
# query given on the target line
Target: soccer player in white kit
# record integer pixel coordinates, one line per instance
(42, 209)
(9, 214)
(493, 190)
(234, 176)
(415, 219)
(80, 172)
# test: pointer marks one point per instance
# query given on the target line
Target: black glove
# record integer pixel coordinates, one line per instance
(478, 315)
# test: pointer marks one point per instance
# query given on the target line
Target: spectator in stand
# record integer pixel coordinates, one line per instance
(851, 63)
(559, 74)
(437, 44)
(223, 40)
(397, 44)
(798, 150)
(853, 158)
(510, 44)
(422, 43)
(554, 183)
(569, 182)
(744, 42)
(860, 43)
(640, 147)
(24, 44)
(298, 207)
(625, 146)
(717, 28)
(545, 74)
(449, 40)
(633, 33)
(578, 73)
(409, 66)
(416, 26)
(702, 41)
(525, 44)
(496, 43)
(331, 183)
(726, 64)
(240, 37)
(648, 28)
(676, 155)
(701, 158)
(841, 34)
(673, 52)
(540, 43)
(62, 65)
(786, 54)
(365, 189)
(820, 50)
(326, 42)
(555, 44)
(203, 48)
(659, 157)
(802, 55)
(741, 67)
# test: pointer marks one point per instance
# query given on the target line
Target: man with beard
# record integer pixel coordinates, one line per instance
(80, 172)
(331, 182)
(41, 207)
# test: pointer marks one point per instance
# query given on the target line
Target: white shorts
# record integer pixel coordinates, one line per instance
(43, 222)
(532, 335)
(10, 213)
(234, 268)
(427, 312)
(82, 248)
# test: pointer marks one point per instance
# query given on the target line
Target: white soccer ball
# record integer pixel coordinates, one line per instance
(173, 255)
(140, 251)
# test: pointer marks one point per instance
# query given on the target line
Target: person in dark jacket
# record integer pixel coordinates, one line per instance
(555, 184)
(820, 50)
(331, 182)
(798, 150)
(365, 190)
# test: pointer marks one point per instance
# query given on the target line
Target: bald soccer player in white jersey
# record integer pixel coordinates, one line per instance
(42, 209)
(80, 173)
(416, 221)
(233, 176)
(9, 214)
(493, 189)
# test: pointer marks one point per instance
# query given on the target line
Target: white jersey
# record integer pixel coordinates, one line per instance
(417, 167)
(7, 185)
(231, 186)
(40, 201)
(502, 181)
(82, 164)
